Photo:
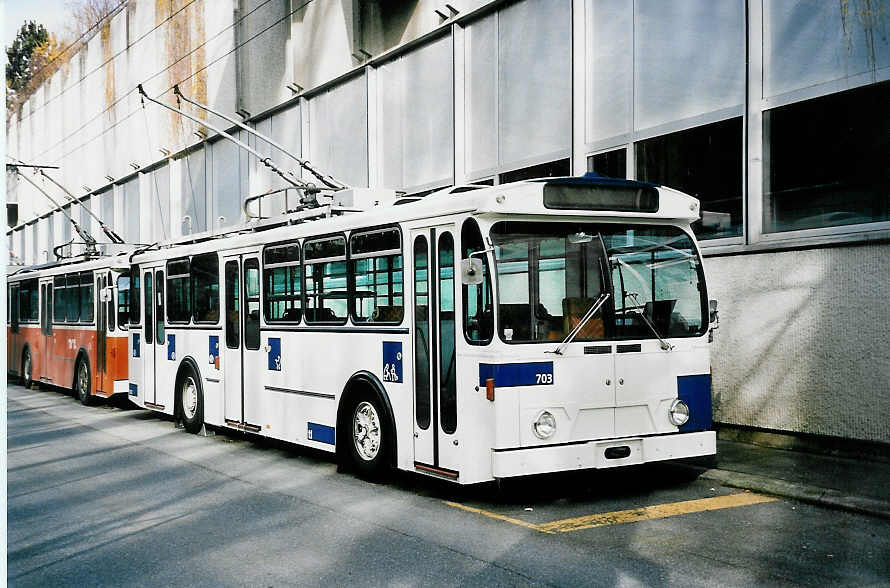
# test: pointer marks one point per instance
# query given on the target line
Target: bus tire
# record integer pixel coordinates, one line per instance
(190, 399)
(27, 369)
(82, 382)
(369, 436)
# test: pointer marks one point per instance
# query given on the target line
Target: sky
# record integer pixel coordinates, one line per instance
(52, 14)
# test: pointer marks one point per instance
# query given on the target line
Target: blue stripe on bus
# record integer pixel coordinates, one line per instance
(134, 390)
(320, 433)
(695, 391)
(507, 375)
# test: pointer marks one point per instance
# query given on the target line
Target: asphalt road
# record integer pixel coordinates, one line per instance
(119, 496)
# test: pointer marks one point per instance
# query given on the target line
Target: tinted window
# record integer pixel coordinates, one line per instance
(376, 263)
(134, 295)
(205, 284)
(179, 301)
(478, 314)
(282, 276)
(252, 304)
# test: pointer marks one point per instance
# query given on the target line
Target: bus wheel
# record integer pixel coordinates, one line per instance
(27, 368)
(82, 383)
(191, 401)
(368, 437)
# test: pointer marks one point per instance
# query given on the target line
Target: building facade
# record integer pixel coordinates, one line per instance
(774, 113)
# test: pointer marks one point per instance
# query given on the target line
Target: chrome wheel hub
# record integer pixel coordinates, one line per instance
(83, 380)
(189, 398)
(366, 431)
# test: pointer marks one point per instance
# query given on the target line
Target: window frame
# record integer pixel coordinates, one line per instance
(266, 291)
(169, 285)
(208, 288)
(385, 253)
(323, 261)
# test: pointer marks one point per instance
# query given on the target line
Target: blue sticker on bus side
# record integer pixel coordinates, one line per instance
(320, 433)
(392, 361)
(134, 390)
(507, 375)
(275, 354)
(135, 344)
(171, 347)
(214, 351)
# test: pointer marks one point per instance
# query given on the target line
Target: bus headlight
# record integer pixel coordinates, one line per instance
(545, 425)
(679, 413)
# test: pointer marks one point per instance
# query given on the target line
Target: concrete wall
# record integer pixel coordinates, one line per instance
(803, 340)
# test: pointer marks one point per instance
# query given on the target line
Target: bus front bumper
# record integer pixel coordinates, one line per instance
(602, 454)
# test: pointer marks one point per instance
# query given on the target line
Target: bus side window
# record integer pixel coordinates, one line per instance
(376, 266)
(60, 297)
(159, 311)
(123, 299)
(478, 314)
(87, 301)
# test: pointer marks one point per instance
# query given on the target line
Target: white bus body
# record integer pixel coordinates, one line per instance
(359, 334)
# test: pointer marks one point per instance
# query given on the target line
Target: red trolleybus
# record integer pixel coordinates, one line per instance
(67, 326)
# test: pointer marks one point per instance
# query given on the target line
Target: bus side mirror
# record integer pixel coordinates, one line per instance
(471, 271)
(714, 315)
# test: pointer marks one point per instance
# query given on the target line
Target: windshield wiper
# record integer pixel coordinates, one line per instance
(587, 316)
(664, 344)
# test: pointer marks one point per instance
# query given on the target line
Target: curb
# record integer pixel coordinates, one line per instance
(827, 497)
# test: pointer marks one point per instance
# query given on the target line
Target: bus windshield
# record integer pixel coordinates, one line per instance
(550, 274)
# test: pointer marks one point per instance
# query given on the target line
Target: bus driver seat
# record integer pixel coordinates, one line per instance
(574, 309)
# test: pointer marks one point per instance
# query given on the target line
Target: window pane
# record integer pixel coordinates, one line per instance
(553, 169)
(72, 297)
(193, 189)
(702, 70)
(612, 164)
(59, 299)
(179, 307)
(377, 297)
(519, 84)
(252, 302)
(159, 308)
(205, 284)
(326, 293)
(447, 356)
(534, 76)
(705, 162)
(283, 292)
(417, 109)
(86, 297)
(123, 298)
(338, 137)
(831, 173)
(159, 189)
(226, 188)
(809, 43)
(421, 334)
(478, 315)
(609, 69)
(130, 192)
(233, 306)
(134, 297)
(149, 308)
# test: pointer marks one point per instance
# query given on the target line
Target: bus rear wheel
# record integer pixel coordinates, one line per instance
(27, 369)
(369, 437)
(82, 383)
(191, 401)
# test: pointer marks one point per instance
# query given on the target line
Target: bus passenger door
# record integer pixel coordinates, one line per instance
(46, 330)
(252, 364)
(231, 351)
(435, 377)
(101, 335)
(147, 345)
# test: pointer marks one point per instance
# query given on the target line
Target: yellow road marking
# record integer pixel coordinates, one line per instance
(634, 515)
(659, 511)
(497, 516)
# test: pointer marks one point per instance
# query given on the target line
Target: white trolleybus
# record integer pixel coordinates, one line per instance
(473, 334)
